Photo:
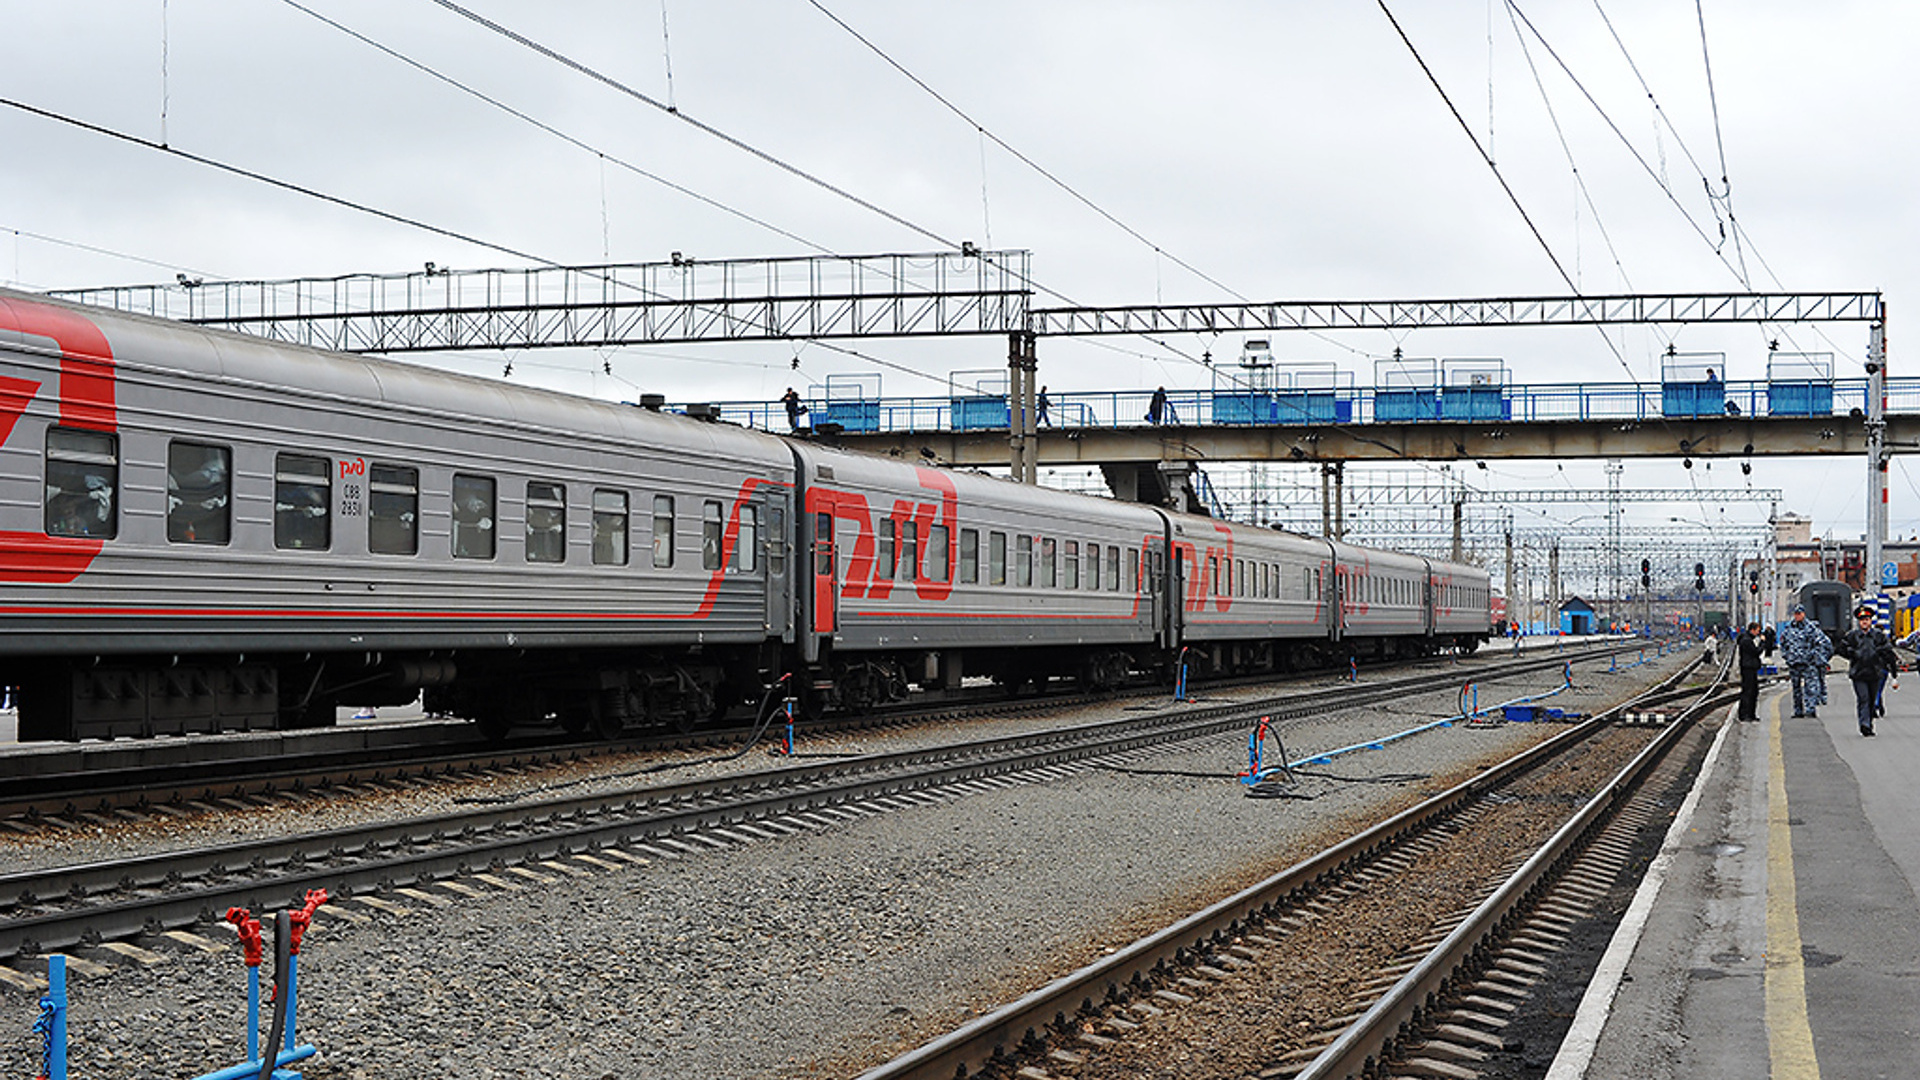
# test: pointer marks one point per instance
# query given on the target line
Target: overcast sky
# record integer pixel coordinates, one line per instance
(1286, 150)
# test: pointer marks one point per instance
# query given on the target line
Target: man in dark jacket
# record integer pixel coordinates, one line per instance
(1870, 657)
(1751, 646)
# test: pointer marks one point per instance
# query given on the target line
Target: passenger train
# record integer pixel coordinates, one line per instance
(203, 531)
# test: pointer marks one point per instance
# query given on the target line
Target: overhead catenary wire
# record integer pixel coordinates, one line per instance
(740, 144)
(984, 134)
(1732, 225)
(1481, 150)
(1504, 186)
(1580, 181)
(1042, 170)
(109, 252)
(1713, 100)
(583, 69)
(563, 136)
(360, 207)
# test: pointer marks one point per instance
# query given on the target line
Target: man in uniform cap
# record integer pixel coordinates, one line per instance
(1870, 657)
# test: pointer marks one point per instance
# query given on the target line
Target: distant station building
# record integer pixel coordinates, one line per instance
(1800, 558)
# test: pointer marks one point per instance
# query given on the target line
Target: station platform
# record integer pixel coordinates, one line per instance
(1777, 932)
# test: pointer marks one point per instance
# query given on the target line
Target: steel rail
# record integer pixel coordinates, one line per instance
(187, 887)
(1371, 1037)
(972, 1046)
(61, 781)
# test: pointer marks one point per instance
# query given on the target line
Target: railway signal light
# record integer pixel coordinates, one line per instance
(1699, 577)
(1753, 581)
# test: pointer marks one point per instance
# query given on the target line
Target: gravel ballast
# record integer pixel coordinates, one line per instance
(812, 954)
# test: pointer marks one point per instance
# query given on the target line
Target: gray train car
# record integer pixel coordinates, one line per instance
(1253, 599)
(1384, 605)
(203, 531)
(1462, 602)
(924, 575)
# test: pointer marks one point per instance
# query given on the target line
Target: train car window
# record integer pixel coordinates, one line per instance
(1070, 560)
(1113, 569)
(777, 541)
(909, 550)
(1023, 559)
(1049, 562)
(970, 556)
(746, 548)
(711, 524)
(393, 509)
(883, 558)
(1093, 567)
(199, 489)
(609, 527)
(302, 502)
(1213, 575)
(997, 558)
(937, 553)
(473, 516)
(663, 531)
(1240, 577)
(823, 544)
(1133, 570)
(83, 483)
(546, 521)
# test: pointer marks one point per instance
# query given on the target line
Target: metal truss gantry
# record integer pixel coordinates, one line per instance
(1415, 314)
(676, 302)
(944, 294)
(971, 292)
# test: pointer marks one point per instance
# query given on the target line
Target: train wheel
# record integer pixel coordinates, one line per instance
(494, 725)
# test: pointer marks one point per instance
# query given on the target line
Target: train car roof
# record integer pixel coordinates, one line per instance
(140, 342)
(858, 466)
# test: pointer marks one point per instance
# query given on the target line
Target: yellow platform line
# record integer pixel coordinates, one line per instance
(1789, 1034)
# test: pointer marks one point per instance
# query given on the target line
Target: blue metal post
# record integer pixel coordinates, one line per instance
(55, 1006)
(253, 1014)
(293, 998)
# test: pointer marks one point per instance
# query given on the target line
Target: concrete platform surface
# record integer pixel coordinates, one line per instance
(1784, 940)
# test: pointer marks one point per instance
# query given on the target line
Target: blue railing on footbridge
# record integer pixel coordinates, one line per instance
(1346, 405)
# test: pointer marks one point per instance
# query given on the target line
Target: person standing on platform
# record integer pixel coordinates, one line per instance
(791, 399)
(1804, 647)
(1040, 410)
(1870, 657)
(1751, 646)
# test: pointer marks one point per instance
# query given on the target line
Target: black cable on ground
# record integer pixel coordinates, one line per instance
(764, 713)
(1166, 772)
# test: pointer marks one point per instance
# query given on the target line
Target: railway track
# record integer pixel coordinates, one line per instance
(62, 907)
(95, 783)
(1307, 974)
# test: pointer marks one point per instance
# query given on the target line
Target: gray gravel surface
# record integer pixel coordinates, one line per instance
(813, 954)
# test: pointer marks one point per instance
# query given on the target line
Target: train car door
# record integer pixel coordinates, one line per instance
(780, 604)
(1163, 600)
(824, 563)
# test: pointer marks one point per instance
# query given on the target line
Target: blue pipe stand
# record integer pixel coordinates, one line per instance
(51, 1027)
(291, 928)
